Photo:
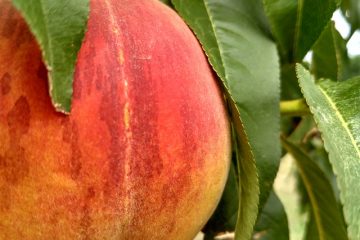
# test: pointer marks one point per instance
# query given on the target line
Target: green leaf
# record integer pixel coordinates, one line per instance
(327, 216)
(351, 10)
(312, 18)
(282, 17)
(273, 223)
(289, 84)
(312, 232)
(237, 48)
(167, 2)
(249, 191)
(336, 112)
(329, 54)
(297, 24)
(352, 68)
(255, 12)
(59, 28)
(298, 135)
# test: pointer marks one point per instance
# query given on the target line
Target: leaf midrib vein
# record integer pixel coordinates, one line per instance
(342, 120)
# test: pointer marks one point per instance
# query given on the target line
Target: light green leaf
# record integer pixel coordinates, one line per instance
(327, 216)
(336, 110)
(296, 24)
(237, 48)
(59, 28)
(329, 54)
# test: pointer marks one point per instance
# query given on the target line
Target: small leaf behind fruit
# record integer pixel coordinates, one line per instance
(282, 17)
(312, 18)
(327, 215)
(329, 54)
(351, 10)
(336, 109)
(297, 24)
(59, 28)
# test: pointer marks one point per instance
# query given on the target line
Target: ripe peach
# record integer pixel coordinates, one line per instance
(144, 153)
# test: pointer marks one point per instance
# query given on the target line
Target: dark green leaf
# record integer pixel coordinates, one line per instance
(351, 10)
(336, 109)
(248, 180)
(282, 17)
(302, 129)
(328, 219)
(289, 84)
(290, 90)
(254, 10)
(167, 2)
(352, 69)
(296, 24)
(312, 232)
(321, 157)
(273, 223)
(59, 28)
(329, 54)
(313, 16)
(237, 48)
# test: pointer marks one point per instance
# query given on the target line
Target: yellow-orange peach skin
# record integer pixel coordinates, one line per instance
(144, 153)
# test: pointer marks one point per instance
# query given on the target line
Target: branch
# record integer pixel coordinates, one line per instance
(294, 108)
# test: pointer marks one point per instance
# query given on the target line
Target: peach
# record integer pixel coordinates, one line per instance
(144, 153)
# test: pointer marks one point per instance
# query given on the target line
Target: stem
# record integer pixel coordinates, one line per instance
(294, 108)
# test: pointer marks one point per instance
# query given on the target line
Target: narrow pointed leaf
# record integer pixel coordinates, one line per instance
(282, 17)
(329, 54)
(248, 191)
(351, 9)
(328, 219)
(59, 28)
(237, 48)
(312, 18)
(312, 232)
(336, 110)
(297, 24)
